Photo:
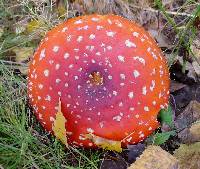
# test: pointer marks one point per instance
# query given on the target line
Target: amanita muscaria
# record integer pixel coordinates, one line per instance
(111, 79)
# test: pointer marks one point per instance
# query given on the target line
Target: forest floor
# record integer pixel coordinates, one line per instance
(175, 24)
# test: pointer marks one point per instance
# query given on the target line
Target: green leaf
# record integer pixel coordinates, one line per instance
(166, 116)
(160, 138)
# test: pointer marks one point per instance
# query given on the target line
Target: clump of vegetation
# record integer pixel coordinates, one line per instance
(23, 143)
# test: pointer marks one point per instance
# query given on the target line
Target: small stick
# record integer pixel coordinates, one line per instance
(169, 12)
(13, 63)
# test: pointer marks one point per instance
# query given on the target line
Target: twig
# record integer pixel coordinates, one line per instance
(168, 12)
(13, 63)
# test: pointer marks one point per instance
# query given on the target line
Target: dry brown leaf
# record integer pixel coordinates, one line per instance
(195, 47)
(174, 86)
(169, 4)
(196, 67)
(191, 71)
(119, 7)
(155, 157)
(188, 116)
(134, 151)
(188, 156)
(190, 135)
(195, 131)
(84, 6)
(160, 38)
(113, 160)
(186, 65)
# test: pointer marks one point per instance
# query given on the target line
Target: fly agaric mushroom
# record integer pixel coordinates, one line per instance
(111, 79)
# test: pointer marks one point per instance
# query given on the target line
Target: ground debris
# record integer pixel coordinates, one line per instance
(120, 7)
(116, 160)
(196, 67)
(162, 40)
(174, 86)
(188, 116)
(155, 157)
(113, 160)
(195, 47)
(181, 98)
(177, 74)
(135, 151)
(190, 135)
(188, 156)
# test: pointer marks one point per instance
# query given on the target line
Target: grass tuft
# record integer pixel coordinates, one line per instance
(23, 142)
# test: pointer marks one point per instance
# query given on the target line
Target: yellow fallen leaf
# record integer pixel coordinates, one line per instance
(59, 126)
(105, 143)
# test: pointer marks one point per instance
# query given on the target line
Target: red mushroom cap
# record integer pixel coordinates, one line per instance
(109, 74)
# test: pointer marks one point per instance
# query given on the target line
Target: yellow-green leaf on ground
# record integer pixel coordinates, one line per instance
(33, 25)
(105, 143)
(23, 53)
(62, 6)
(188, 156)
(59, 126)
